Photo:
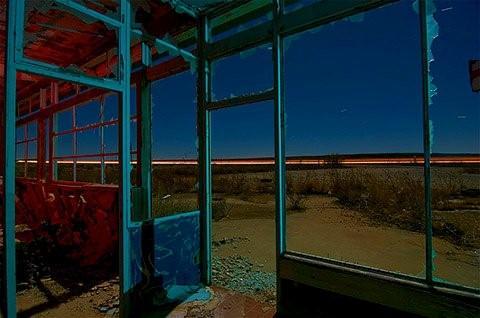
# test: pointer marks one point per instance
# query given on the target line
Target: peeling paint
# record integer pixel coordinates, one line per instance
(432, 34)
(172, 272)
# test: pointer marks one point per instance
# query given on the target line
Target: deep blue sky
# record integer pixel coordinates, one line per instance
(351, 87)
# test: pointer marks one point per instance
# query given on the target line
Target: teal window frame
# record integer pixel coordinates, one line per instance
(16, 62)
(274, 32)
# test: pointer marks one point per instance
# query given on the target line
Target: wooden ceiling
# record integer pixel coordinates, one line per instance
(60, 37)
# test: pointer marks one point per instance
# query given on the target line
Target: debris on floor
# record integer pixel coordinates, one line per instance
(239, 274)
(224, 304)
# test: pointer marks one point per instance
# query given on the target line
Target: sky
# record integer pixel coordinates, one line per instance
(353, 86)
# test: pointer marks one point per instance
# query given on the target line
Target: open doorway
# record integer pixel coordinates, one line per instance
(243, 201)
(67, 200)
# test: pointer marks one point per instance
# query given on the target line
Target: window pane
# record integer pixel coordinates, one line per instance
(64, 145)
(111, 139)
(89, 171)
(112, 171)
(88, 142)
(21, 164)
(245, 73)
(20, 154)
(174, 146)
(32, 150)
(244, 200)
(354, 136)
(64, 120)
(455, 115)
(111, 107)
(88, 113)
(32, 130)
(20, 134)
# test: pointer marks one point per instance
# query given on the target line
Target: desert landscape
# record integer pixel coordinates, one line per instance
(370, 216)
(366, 215)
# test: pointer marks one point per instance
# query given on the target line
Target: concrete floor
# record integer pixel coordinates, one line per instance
(222, 304)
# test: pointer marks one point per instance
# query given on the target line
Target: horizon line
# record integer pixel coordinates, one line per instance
(296, 160)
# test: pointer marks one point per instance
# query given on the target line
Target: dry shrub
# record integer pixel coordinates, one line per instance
(171, 205)
(394, 198)
(183, 184)
(233, 184)
(471, 170)
(397, 197)
(296, 202)
(169, 184)
(307, 184)
(349, 188)
(220, 209)
(295, 196)
(445, 187)
(265, 185)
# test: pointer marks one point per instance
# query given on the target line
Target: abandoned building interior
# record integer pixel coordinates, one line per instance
(97, 94)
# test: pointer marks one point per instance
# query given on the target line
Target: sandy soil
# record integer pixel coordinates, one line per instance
(324, 229)
(222, 304)
(328, 230)
(49, 298)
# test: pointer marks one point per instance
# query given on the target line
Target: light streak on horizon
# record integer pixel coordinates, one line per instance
(348, 161)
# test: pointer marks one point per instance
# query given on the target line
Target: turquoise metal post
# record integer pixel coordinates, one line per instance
(71, 4)
(9, 308)
(144, 155)
(279, 124)
(426, 142)
(28, 65)
(125, 162)
(19, 27)
(204, 150)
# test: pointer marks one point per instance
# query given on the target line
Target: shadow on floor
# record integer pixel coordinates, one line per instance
(222, 303)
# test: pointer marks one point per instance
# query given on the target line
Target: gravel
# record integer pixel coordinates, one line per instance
(239, 274)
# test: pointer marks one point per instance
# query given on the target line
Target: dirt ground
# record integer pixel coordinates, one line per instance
(50, 299)
(328, 230)
(244, 254)
(37, 302)
(247, 235)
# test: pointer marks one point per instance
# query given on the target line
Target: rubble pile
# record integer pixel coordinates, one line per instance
(239, 274)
